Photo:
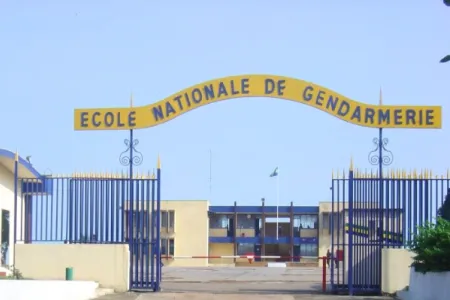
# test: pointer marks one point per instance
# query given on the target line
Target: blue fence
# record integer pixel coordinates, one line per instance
(100, 209)
(371, 213)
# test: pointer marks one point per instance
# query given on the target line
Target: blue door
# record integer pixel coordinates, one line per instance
(257, 252)
(296, 253)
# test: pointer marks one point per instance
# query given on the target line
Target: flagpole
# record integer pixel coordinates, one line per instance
(278, 199)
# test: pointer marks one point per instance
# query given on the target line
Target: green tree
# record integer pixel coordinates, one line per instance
(446, 58)
(432, 245)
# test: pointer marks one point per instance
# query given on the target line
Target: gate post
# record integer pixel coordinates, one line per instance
(350, 229)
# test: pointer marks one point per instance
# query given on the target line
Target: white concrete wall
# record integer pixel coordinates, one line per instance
(7, 203)
(429, 286)
(47, 289)
(109, 265)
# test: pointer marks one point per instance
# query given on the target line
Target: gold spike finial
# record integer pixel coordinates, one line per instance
(153, 174)
(381, 97)
(16, 156)
(131, 100)
(158, 164)
(332, 174)
(351, 163)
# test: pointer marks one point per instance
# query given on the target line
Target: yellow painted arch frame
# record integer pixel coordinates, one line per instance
(358, 113)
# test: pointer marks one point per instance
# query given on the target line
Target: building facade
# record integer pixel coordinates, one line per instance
(7, 214)
(193, 233)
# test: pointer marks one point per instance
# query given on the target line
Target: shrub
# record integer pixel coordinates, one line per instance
(432, 247)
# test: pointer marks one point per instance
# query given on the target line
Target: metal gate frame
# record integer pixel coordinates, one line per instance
(371, 213)
(95, 209)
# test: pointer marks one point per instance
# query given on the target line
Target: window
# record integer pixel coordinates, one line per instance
(171, 219)
(167, 247)
(218, 221)
(326, 224)
(305, 222)
(164, 219)
(244, 249)
(246, 221)
(167, 219)
(308, 250)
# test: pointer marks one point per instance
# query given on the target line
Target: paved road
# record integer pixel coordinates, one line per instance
(229, 283)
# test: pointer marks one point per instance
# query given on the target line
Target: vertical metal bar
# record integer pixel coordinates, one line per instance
(387, 211)
(56, 193)
(421, 210)
(109, 218)
(101, 212)
(88, 206)
(147, 230)
(366, 214)
(42, 220)
(344, 245)
(153, 236)
(357, 243)
(65, 186)
(124, 204)
(92, 198)
(136, 233)
(402, 214)
(350, 232)
(332, 235)
(82, 238)
(85, 210)
(427, 201)
(142, 230)
(437, 194)
(341, 229)
(158, 227)
(415, 201)
(117, 211)
(49, 219)
(381, 200)
(16, 199)
(97, 208)
(409, 209)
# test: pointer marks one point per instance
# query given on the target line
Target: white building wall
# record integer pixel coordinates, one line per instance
(7, 203)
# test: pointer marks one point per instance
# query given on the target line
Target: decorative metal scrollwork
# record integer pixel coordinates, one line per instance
(387, 157)
(131, 155)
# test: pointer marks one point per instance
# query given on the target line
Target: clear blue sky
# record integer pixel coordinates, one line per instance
(56, 57)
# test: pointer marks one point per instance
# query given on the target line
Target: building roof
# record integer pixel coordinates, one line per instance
(26, 170)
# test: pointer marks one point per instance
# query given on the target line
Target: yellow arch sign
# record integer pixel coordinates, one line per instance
(376, 116)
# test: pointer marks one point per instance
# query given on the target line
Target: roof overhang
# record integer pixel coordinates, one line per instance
(25, 169)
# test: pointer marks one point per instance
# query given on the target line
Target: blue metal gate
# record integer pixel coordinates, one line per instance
(100, 209)
(370, 213)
